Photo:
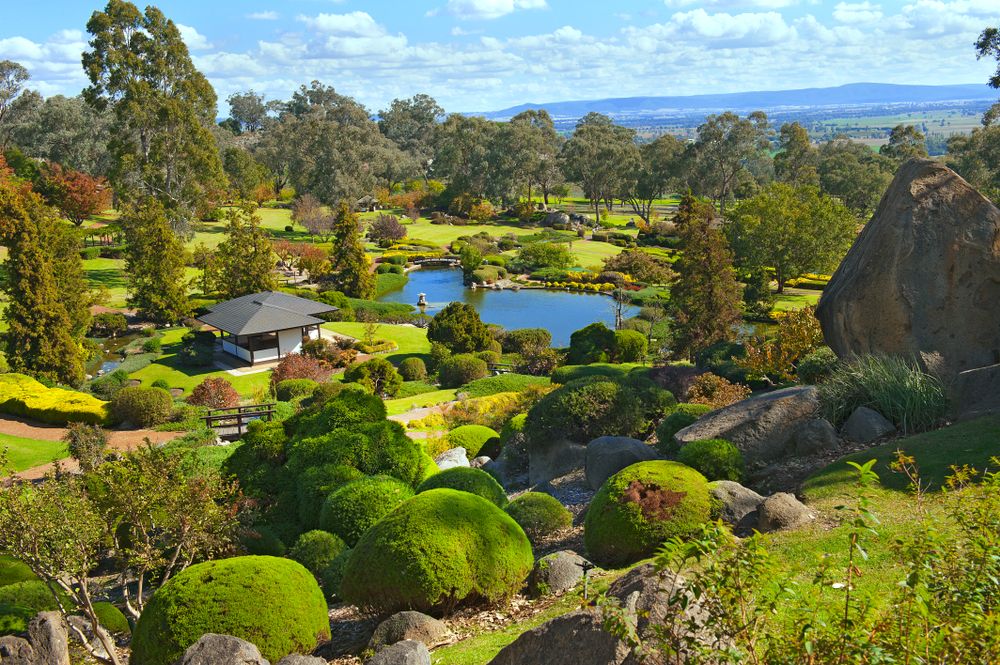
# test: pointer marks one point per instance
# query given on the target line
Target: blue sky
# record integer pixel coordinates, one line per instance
(475, 55)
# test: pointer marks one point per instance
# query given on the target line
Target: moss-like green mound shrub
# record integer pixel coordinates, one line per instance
(316, 550)
(428, 467)
(358, 505)
(513, 426)
(315, 484)
(682, 416)
(440, 549)
(21, 601)
(413, 369)
(640, 507)
(539, 514)
(716, 459)
(273, 603)
(144, 407)
(332, 574)
(22, 395)
(461, 369)
(465, 479)
(471, 437)
(112, 618)
(13, 571)
(290, 389)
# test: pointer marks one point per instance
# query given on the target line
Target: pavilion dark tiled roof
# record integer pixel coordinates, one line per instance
(264, 312)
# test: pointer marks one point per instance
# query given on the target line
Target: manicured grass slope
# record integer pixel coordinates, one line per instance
(27, 453)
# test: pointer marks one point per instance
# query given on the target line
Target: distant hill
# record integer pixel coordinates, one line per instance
(853, 94)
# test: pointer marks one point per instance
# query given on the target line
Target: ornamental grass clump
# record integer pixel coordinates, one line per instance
(894, 386)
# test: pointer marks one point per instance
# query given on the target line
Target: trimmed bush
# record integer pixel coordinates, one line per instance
(13, 571)
(106, 386)
(112, 618)
(330, 579)
(23, 396)
(273, 603)
(716, 459)
(502, 383)
(513, 426)
(377, 375)
(682, 416)
(816, 366)
(591, 344)
(471, 437)
(215, 393)
(290, 389)
(466, 479)
(143, 407)
(354, 508)
(161, 383)
(108, 324)
(316, 550)
(263, 541)
(21, 601)
(568, 373)
(413, 369)
(640, 507)
(458, 370)
(315, 483)
(520, 340)
(630, 346)
(439, 550)
(539, 514)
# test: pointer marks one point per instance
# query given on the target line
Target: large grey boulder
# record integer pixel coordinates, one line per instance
(607, 455)
(554, 459)
(977, 392)
(452, 458)
(510, 468)
(736, 502)
(16, 651)
(923, 278)
(409, 625)
(762, 427)
(213, 649)
(49, 637)
(815, 436)
(556, 573)
(782, 511)
(866, 425)
(299, 659)
(557, 217)
(407, 652)
(570, 639)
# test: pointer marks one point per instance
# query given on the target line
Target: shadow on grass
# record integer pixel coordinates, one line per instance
(109, 277)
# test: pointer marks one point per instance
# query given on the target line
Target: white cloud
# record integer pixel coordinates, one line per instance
(195, 40)
(471, 10)
(731, 4)
(263, 16)
(355, 23)
(857, 12)
(736, 30)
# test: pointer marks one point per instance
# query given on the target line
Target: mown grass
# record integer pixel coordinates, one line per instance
(25, 453)
(410, 340)
(394, 407)
(796, 299)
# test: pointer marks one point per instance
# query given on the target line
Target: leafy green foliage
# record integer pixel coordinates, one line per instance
(591, 344)
(817, 365)
(348, 263)
(683, 415)
(641, 507)
(539, 514)
(154, 263)
(316, 550)
(23, 396)
(21, 601)
(112, 618)
(465, 479)
(273, 603)
(413, 369)
(471, 437)
(245, 259)
(460, 369)
(459, 328)
(520, 340)
(354, 508)
(291, 389)
(439, 550)
(630, 346)
(716, 459)
(143, 407)
(377, 375)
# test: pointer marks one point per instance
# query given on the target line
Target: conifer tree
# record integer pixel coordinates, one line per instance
(246, 258)
(706, 297)
(42, 338)
(154, 263)
(349, 268)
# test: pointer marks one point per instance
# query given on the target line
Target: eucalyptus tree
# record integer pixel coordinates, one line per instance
(726, 150)
(854, 174)
(16, 103)
(660, 168)
(797, 161)
(598, 156)
(540, 142)
(462, 153)
(905, 142)
(68, 131)
(410, 124)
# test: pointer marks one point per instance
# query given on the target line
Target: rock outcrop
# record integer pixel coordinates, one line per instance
(607, 455)
(212, 649)
(407, 652)
(923, 277)
(410, 625)
(737, 504)
(782, 511)
(556, 573)
(762, 427)
(865, 425)
(554, 459)
(451, 458)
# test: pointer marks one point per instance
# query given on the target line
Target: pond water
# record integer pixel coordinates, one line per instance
(111, 355)
(560, 312)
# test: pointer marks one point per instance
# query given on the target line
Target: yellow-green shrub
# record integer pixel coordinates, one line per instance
(22, 395)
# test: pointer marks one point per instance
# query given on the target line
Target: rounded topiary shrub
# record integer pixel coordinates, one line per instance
(21, 601)
(513, 426)
(471, 437)
(143, 407)
(112, 618)
(640, 507)
(539, 514)
(273, 603)
(316, 550)
(465, 479)
(716, 459)
(358, 505)
(332, 574)
(315, 484)
(460, 369)
(440, 549)
(12, 571)
(682, 416)
(291, 389)
(413, 369)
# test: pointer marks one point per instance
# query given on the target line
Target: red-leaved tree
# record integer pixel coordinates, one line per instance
(76, 194)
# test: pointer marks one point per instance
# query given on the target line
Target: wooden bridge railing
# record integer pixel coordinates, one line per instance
(231, 423)
(499, 368)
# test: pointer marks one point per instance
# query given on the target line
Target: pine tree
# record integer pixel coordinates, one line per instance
(349, 268)
(706, 297)
(63, 243)
(154, 262)
(40, 338)
(246, 258)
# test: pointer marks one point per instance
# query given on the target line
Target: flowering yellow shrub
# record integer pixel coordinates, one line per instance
(21, 395)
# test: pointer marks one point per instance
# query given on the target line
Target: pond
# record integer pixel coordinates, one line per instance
(111, 354)
(560, 312)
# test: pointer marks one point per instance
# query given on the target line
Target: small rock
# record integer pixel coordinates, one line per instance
(865, 425)
(782, 511)
(737, 503)
(607, 455)
(16, 651)
(409, 625)
(815, 436)
(555, 573)
(49, 639)
(571, 639)
(299, 659)
(480, 462)
(213, 649)
(407, 652)
(452, 458)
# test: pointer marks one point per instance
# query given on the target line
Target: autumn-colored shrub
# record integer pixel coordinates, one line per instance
(215, 393)
(716, 391)
(298, 366)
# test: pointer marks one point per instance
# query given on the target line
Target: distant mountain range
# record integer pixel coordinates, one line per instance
(853, 94)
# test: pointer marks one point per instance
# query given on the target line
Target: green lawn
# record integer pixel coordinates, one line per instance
(412, 341)
(403, 404)
(796, 299)
(27, 453)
